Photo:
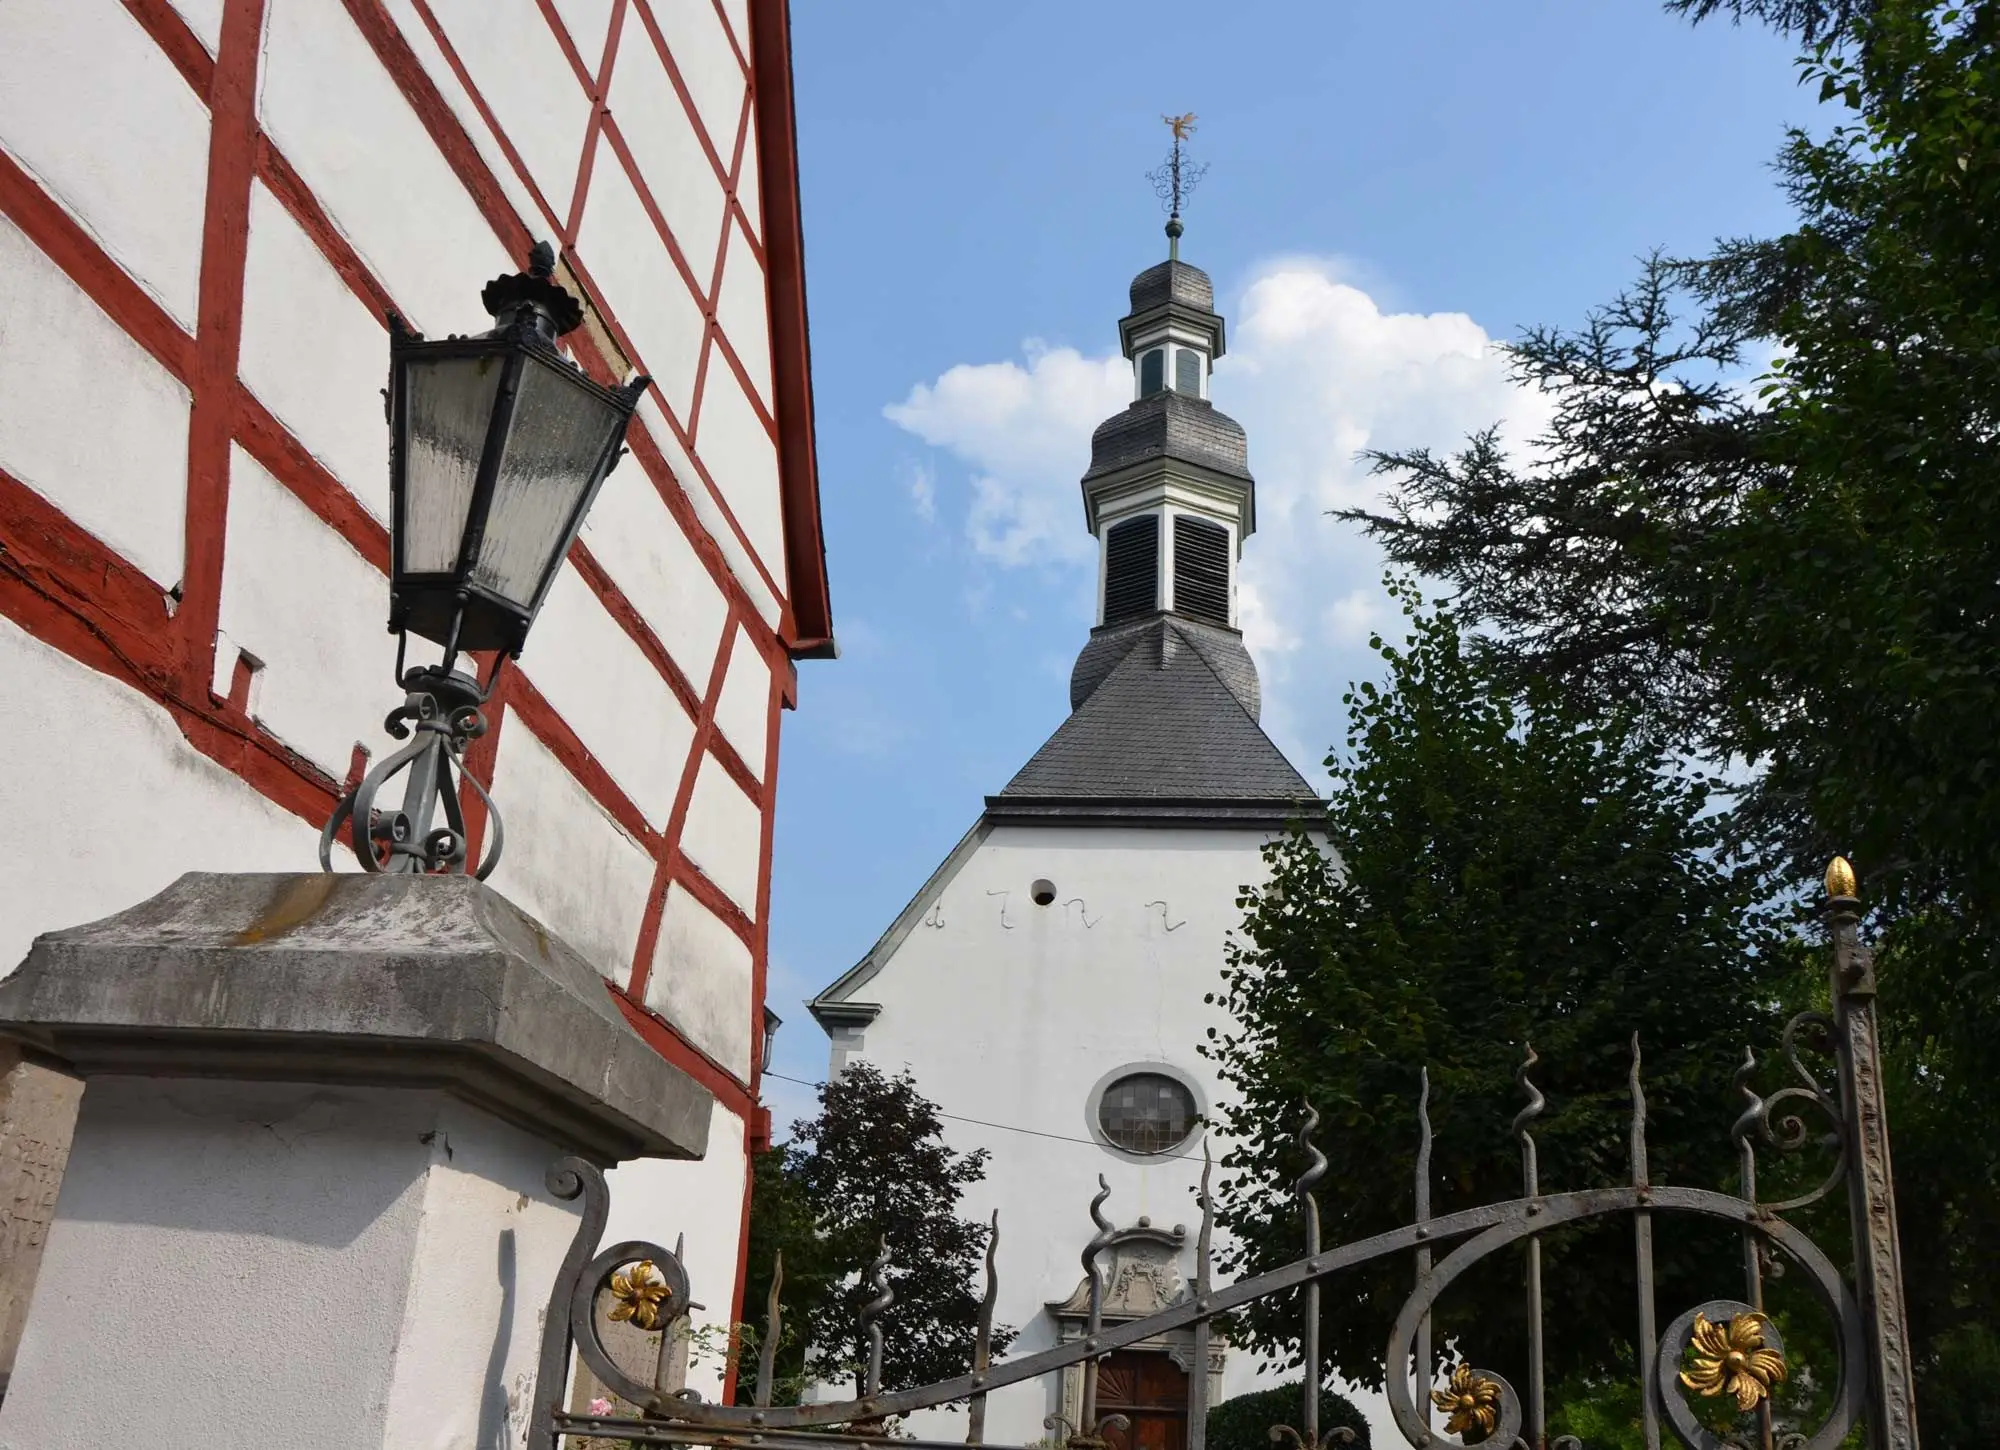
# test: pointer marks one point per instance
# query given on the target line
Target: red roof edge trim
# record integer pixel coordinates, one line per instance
(791, 351)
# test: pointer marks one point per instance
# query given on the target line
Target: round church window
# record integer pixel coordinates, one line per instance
(1146, 1112)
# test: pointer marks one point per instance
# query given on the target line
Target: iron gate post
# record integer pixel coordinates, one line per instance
(1878, 1259)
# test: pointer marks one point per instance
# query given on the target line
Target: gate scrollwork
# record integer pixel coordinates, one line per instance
(1722, 1351)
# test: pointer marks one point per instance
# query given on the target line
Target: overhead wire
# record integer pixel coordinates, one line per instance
(1003, 1127)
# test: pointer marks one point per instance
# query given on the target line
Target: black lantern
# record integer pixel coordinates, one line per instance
(497, 447)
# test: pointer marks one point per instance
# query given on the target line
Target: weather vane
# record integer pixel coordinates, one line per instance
(1176, 178)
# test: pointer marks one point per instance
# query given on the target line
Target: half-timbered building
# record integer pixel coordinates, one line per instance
(208, 209)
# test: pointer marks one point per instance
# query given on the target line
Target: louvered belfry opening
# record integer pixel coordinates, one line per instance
(1187, 372)
(1132, 568)
(1201, 569)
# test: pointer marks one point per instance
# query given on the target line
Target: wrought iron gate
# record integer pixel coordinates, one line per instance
(1725, 1348)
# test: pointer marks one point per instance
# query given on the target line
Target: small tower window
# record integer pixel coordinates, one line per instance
(1152, 372)
(1131, 568)
(1201, 569)
(1187, 371)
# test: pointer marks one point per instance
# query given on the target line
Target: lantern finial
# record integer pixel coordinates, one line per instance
(536, 288)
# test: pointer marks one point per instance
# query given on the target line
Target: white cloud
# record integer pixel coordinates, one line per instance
(1316, 372)
(923, 492)
(1025, 433)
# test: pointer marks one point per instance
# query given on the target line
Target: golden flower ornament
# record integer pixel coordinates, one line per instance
(1730, 1358)
(1469, 1399)
(1840, 877)
(640, 1289)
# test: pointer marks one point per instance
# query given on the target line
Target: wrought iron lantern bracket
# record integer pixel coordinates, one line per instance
(442, 710)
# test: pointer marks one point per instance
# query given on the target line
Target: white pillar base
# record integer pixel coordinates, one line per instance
(238, 1265)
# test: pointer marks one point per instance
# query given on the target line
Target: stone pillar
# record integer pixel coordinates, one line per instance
(304, 1203)
(37, 1113)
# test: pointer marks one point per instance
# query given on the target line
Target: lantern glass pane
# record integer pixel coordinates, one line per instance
(448, 403)
(560, 436)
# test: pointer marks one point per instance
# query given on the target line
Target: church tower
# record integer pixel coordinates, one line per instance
(1046, 985)
(1164, 697)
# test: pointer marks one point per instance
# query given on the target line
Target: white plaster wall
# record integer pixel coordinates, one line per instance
(204, 18)
(749, 187)
(587, 22)
(488, 1246)
(660, 1200)
(156, 807)
(708, 512)
(701, 981)
(1012, 1013)
(738, 14)
(742, 458)
(744, 312)
(346, 129)
(723, 835)
(623, 253)
(261, 1263)
(295, 308)
(678, 173)
(608, 692)
(94, 425)
(566, 862)
(299, 598)
(507, 48)
(92, 107)
(743, 711)
(424, 47)
(630, 531)
(709, 68)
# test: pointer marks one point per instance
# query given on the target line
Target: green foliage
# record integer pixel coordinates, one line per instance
(1811, 20)
(870, 1167)
(1798, 575)
(1245, 1422)
(1510, 869)
(1801, 574)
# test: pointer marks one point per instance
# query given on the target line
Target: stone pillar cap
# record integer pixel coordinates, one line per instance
(410, 981)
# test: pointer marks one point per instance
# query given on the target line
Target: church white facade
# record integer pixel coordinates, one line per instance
(1047, 985)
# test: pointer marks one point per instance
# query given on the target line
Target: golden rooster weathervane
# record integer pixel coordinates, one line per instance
(1176, 178)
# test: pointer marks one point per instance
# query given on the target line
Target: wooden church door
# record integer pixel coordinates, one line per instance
(1151, 1391)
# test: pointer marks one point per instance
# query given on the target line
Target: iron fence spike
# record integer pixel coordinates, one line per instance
(982, 1344)
(767, 1352)
(1421, 1359)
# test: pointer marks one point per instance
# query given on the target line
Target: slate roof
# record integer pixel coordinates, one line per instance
(1220, 647)
(1166, 729)
(1173, 281)
(1170, 425)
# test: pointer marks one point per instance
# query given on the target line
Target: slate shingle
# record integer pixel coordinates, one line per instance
(1160, 729)
(1170, 425)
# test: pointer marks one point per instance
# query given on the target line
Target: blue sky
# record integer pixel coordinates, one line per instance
(1392, 187)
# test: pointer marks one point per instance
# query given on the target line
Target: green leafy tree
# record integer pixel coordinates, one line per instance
(870, 1167)
(1504, 869)
(1799, 576)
